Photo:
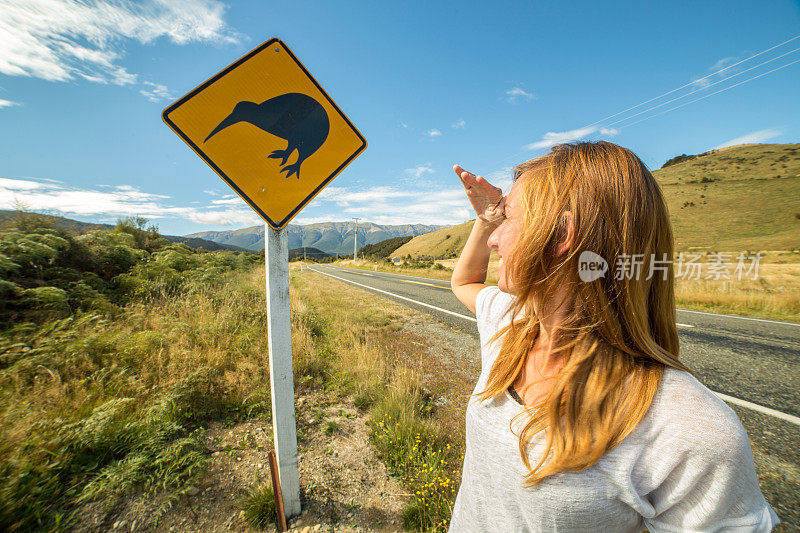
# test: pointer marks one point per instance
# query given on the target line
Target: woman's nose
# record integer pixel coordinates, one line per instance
(493, 239)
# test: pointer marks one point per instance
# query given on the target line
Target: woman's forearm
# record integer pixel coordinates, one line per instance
(474, 259)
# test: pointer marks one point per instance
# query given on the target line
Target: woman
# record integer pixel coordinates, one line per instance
(583, 418)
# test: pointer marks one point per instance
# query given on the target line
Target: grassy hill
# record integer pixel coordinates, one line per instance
(443, 243)
(744, 197)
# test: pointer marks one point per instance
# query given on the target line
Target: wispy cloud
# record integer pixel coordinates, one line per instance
(329, 218)
(501, 178)
(404, 125)
(228, 217)
(384, 204)
(155, 92)
(233, 200)
(109, 203)
(553, 138)
(7, 103)
(701, 82)
(416, 177)
(433, 132)
(460, 124)
(419, 171)
(517, 93)
(64, 40)
(753, 137)
(393, 205)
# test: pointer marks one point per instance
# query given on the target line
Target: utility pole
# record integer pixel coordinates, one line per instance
(355, 242)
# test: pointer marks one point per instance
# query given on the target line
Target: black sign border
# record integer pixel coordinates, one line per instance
(282, 223)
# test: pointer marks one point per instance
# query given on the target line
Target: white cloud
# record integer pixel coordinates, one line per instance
(722, 63)
(229, 201)
(419, 171)
(553, 138)
(212, 193)
(156, 92)
(228, 217)
(753, 137)
(62, 40)
(111, 202)
(709, 79)
(20, 185)
(393, 205)
(403, 125)
(7, 103)
(517, 93)
(459, 124)
(433, 132)
(317, 220)
(383, 204)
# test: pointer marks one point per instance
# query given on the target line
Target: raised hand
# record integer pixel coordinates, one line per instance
(486, 199)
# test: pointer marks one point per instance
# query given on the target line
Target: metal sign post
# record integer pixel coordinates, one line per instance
(276, 250)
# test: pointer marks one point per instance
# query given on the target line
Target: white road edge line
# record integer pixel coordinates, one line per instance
(760, 408)
(786, 322)
(465, 317)
(730, 399)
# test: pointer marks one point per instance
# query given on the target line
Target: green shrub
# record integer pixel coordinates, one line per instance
(114, 450)
(49, 299)
(7, 266)
(258, 505)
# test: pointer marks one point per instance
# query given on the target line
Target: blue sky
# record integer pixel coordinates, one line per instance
(82, 86)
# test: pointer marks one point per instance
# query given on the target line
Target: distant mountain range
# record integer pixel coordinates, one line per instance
(330, 237)
(83, 227)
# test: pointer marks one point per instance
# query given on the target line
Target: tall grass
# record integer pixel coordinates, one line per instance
(95, 408)
(366, 356)
(99, 407)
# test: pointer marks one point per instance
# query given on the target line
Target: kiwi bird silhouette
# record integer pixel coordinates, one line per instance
(295, 117)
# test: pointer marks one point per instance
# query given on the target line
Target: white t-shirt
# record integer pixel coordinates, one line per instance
(687, 466)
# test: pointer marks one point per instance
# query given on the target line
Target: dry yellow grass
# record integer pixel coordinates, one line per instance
(774, 294)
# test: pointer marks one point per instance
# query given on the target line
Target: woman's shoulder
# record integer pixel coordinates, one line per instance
(492, 304)
(692, 418)
(691, 462)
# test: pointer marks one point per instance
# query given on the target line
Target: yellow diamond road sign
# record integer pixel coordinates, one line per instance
(269, 129)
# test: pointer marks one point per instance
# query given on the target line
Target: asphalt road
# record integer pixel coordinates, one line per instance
(753, 364)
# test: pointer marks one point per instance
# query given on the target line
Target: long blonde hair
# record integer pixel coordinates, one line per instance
(621, 330)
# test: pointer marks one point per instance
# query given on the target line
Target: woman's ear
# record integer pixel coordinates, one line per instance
(568, 223)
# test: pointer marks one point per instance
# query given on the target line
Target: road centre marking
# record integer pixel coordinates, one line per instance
(361, 273)
(683, 325)
(679, 308)
(730, 399)
(394, 274)
(428, 284)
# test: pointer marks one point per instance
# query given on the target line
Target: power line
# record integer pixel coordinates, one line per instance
(693, 82)
(704, 88)
(517, 155)
(716, 92)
